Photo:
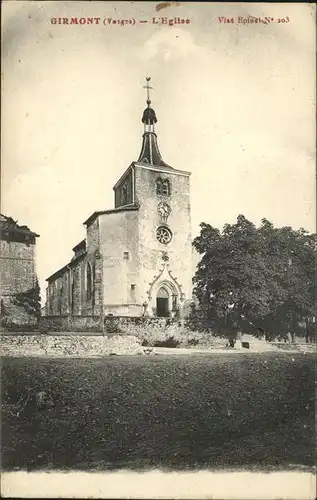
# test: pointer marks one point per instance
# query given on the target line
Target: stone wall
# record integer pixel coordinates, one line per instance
(17, 267)
(154, 331)
(70, 324)
(68, 346)
(124, 191)
(48, 324)
(150, 330)
(124, 324)
(93, 304)
(58, 295)
(118, 246)
(15, 316)
(178, 253)
(78, 286)
(67, 293)
(17, 275)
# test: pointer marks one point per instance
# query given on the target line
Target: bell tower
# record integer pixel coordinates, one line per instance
(165, 250)
(154, 201)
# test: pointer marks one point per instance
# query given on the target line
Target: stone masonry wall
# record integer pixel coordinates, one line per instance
(70, 324)
(17, 274)
(68, 346)
(118, 246)
(78, 285)
(155, 331)
(93, 305)
(67, 294)
(179, 250)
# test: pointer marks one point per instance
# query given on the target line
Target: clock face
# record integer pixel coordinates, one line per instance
(164, 209)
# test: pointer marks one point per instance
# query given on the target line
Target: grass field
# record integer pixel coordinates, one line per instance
(173, 412)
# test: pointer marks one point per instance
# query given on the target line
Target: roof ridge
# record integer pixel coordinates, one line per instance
(125, 208)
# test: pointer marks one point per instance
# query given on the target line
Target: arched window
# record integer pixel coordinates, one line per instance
(52, 297)
(158, 186)
(60, 299)
(66, 285)
(124, 194)
(71, 289)
(2, 309)
(89, 281)
(163, 187)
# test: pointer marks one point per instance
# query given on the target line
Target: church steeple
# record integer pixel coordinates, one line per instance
(150, 153)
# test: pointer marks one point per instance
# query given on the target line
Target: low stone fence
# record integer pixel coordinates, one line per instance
(70, 324)
(149, 331)
(82, 346)
(159, 332)
(68, 345)
(48, 324)
(129, 324)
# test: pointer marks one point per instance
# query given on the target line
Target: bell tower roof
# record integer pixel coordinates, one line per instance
(149, 116)
(150, 153)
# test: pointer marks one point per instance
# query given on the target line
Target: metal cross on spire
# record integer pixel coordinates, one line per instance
(148, 88)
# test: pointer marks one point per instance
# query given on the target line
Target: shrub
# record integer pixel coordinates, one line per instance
(112, 325)
(193, 342)
(30, 301)
(169, 342)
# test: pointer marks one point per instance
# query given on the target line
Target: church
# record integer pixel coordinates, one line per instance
(137, 258)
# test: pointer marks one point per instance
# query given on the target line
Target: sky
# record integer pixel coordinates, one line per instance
(235, 106)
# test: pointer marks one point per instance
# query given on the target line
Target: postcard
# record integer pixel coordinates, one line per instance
(158, 223)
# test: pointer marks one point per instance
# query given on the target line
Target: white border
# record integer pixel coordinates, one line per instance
(157, 485)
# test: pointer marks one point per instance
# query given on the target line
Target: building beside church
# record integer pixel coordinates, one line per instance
(17, 270)
(136, 259)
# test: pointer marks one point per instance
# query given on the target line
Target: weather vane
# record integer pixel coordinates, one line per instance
(148, 88)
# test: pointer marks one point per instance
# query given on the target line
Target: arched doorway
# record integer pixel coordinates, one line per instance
(162, 302)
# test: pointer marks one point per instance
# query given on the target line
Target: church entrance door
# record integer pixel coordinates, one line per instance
(162, 303)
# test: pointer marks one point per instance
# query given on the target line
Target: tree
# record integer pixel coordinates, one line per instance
(254, 279)
(30, 301)
(291, 256)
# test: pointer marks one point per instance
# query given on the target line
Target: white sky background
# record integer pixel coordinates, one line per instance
(235, 106)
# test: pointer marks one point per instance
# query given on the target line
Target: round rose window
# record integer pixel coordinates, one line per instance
(163, 235)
